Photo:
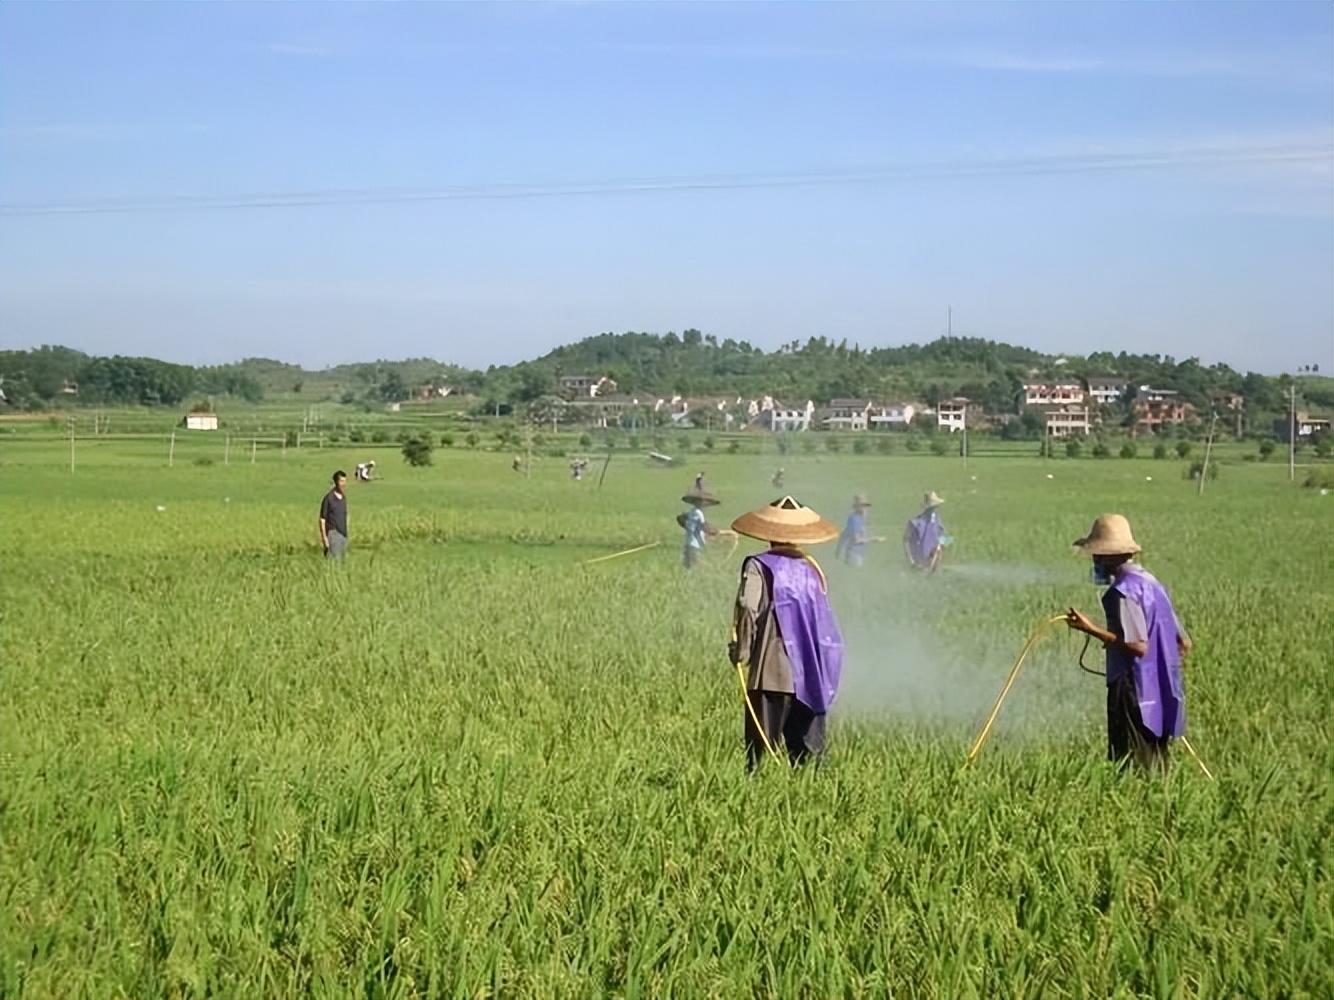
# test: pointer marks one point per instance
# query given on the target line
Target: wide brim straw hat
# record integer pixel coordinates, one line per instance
(701, 497)
(933, 499)
(1109, 536)
(860, 500)
(786, 521)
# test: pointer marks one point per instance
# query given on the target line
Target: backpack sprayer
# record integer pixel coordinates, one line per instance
(1033, 637)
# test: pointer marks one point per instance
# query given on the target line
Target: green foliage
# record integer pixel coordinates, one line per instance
(733, 446)
(709, 442)
(808, 443)
(1130, 450)
(940, 446)
(471, 439)
(784, 442)
(913, 442)
(417, 451)
(356, 435)
(1100, 450)
(884, 444)
(1184, 449)
(1159, 450)
(833, 444)
(447, 440)
(860, 446)
(232, 771)
(585, 441)
(379, 436)
(1074, 448)
(1267, 446)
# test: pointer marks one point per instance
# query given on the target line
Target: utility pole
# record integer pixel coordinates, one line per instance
(1292, 430)
(1208, 447)
(949, 321)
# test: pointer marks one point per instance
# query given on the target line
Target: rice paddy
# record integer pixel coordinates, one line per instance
(460, 765)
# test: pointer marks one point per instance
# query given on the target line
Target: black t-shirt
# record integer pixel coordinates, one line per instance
(333, 511)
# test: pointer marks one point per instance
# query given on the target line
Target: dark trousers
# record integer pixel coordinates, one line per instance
(789, 726)
(1127, 739)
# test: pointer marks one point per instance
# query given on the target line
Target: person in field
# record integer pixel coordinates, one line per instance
(333, 519)
(924, 537)
(786, 644)
(1145, 646)
(777, 480)
(695, 525)
(365, 471)
(699, 483)
(851, 547)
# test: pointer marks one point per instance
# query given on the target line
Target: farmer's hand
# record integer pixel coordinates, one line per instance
(1079, 621)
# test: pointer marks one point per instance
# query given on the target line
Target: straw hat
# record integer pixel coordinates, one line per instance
(785, 520)
(1109, 536)
(933, 499)
(860, 500)
(702, 497)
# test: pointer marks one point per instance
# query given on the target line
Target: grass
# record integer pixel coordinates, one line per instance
(461, 766)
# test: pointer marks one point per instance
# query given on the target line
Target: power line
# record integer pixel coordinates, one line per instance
(883, 173)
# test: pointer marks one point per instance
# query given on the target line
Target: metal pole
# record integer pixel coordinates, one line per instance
(71, 444)
(171, 450)
(253, 446)
(1208, 447)
(227, 451)
(1292, 430)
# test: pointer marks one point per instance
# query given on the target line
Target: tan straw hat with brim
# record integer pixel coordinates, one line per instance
(702, 497)
(933, 499)
(788, 521)
(1109, 536)
(860, 500)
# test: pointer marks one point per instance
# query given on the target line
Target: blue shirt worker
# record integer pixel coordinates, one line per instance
(852, 542)
(696, 526)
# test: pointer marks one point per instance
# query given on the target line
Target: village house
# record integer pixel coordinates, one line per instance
(1307, 425)
(1068, 421)
(1052, 393)
(201, 421)
(586, 386)
(952, 414)
(1104, 390)
(1153, 409)
(783, 418)
(892, 416)
(848, 414)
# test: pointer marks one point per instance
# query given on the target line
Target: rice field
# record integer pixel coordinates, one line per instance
(463, 765)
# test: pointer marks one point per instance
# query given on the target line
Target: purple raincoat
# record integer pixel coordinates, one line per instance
(1159, 686)
(923, 536)
(810, 632)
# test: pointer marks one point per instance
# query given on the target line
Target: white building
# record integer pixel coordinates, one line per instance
(1068, 421)
(587, 386)
(952, 414)
(1149, 394)
(1052, 393)
(848, 414)
(888, 416)
(1105, 391)
(201, 421)
(782, 418)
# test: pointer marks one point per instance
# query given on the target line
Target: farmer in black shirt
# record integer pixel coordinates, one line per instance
(333, 518)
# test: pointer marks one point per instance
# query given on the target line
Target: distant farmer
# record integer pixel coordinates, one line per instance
(924, 538)
(852, 543)
(517, 464)
(699, 483)
(695, 525)
(365, 470)
(333, 518)
(1144, 643)
(577, 468)
(777, 480)
(786, 642)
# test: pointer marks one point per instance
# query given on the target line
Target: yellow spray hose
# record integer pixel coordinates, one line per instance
(617, 555)
(745, 698)
(1009, 683)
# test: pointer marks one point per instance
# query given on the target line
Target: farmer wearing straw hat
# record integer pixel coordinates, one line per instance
(786, 643)
(851, 547)
(924, 538)
(1145, 644)
(696, 526)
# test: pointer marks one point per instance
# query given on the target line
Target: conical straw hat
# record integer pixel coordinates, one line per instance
(702, 497)
(785, 520)
(933, 499)
(1109, 536)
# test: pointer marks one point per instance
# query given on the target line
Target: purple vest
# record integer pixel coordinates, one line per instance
(1159, 686)
(808, 627)
(924, 532)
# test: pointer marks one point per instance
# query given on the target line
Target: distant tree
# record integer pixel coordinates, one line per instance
(417, 450)
(1183, 449)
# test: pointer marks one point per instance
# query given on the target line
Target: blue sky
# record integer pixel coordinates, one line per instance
(1230, 261)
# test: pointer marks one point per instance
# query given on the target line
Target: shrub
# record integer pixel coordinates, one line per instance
(203, 460)
(1160, 450)
(1267, 446)
(860, 446)
(633, 441)
(1128, 450)
(733, 446)
(585, 441)
(808, 443)
(784, 444)
(1100, 450)
(417, 450)
(940, 446)
(472, 439)
(447, 440)
(709, 442)
(1184, 449)
(380, 436)
(1197, 466)
(356, 436)
(1073, 448)
(884, 445)
(1319, 479)
(833, 444)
